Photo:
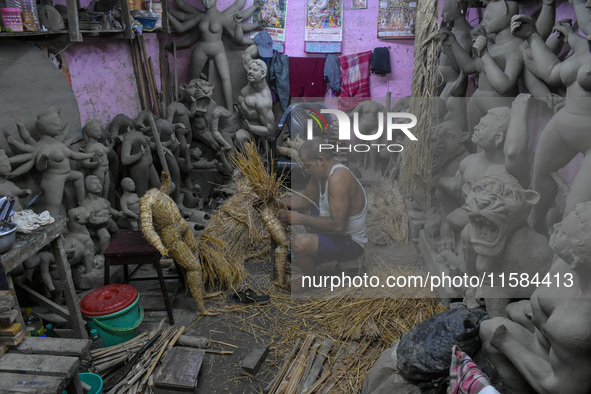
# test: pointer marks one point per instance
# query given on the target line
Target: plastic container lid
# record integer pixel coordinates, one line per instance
(108, 299)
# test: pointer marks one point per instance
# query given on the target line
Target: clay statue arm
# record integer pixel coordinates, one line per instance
(250, 53)
(247, 13)
(24, 133)
(23, 169)
(125, 208)
(182, 27)
(126, 157)
(516, 140)
(220, 112)
(186, 7)
(453, 185)
(248, 27)
(20, 146)
(546, 19)
(536, 370)
(463, 59)
(234, 8)
(538, 58)
(81, 156)
(502, 80)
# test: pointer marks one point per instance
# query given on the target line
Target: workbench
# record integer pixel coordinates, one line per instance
(27, 245)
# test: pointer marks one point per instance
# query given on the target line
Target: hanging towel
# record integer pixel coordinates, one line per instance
(332, 73)
(380, 61)
(306, 76)
(354, 80)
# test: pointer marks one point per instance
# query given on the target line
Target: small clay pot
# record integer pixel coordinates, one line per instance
(191, 200)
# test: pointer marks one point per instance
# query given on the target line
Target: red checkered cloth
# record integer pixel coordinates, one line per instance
(465, 376)
(354, 80)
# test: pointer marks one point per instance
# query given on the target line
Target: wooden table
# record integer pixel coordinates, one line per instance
(43, 365)
(27, 245)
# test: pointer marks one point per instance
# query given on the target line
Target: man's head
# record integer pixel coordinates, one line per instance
(128, 185)
(257, 70)
(447, 141)
(314, 159)
(570, 239)
(490, 132)
(93, 184)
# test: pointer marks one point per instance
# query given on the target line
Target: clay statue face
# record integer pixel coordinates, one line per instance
(49, 124)
(496, 207)
(209, 3)
(256, 71)
(128, 185)
(93, 129)
(196, 153)
(445, 141)
(495, 17)
(93, 184)
(489, 133)
(449, 10)
(561, 239)
(79, 215)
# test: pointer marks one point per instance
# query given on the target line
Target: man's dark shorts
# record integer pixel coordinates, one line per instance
(337, 247)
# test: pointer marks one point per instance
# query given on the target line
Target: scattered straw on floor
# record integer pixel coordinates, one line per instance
(387, 220)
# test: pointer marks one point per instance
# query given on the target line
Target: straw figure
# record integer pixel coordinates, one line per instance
(166, 230)
(244, 226)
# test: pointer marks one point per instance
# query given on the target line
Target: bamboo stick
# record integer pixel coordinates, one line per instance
(146, 64)
(272, 386)
(159, 149)
(295, 365)
(317, 366)
(311, 358)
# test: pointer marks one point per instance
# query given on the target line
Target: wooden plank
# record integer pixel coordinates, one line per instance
(8, 317)
(26, 245)
(73, 25)
(12, 341)
(18, 383)
(29, 364)
(65, 272)
(40, 299)
(6, 301)
(180, 369)
(54, 347)
(10, 330)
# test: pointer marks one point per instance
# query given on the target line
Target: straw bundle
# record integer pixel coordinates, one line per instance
(387, 220)
(416, 162)
(236, 232)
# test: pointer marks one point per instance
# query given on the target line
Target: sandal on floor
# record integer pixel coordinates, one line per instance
(247, 296)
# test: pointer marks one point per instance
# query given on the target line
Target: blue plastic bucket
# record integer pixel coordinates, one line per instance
(94, 381)
(118, 327)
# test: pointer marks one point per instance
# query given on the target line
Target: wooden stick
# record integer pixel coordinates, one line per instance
(311, 358)
(224, 343)
(139, 77)
(159, 148)
(222, 352)
(176, 72)
(146, 64)
(318, 383)
(293, 376)
(164, 73)
(153, 77)
(170, 345)
(317, 366)
(272, 386)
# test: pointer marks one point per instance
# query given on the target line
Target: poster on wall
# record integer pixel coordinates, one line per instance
(274, 12)
(396, 19)
(324, 24)
(358, 4)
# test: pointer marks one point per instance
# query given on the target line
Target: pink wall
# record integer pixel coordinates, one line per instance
(104, 82)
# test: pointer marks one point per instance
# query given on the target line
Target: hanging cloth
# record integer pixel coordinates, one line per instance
(306, 76)
(332, 73)
(380, 61)
(354, 80)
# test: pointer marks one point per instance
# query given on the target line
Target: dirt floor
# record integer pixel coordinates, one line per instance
(279, 323)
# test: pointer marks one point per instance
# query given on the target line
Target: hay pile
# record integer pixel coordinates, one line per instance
(236, 232)
(387, 220)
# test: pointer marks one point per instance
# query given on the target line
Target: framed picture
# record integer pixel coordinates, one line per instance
(396, 19)
(358, 4)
